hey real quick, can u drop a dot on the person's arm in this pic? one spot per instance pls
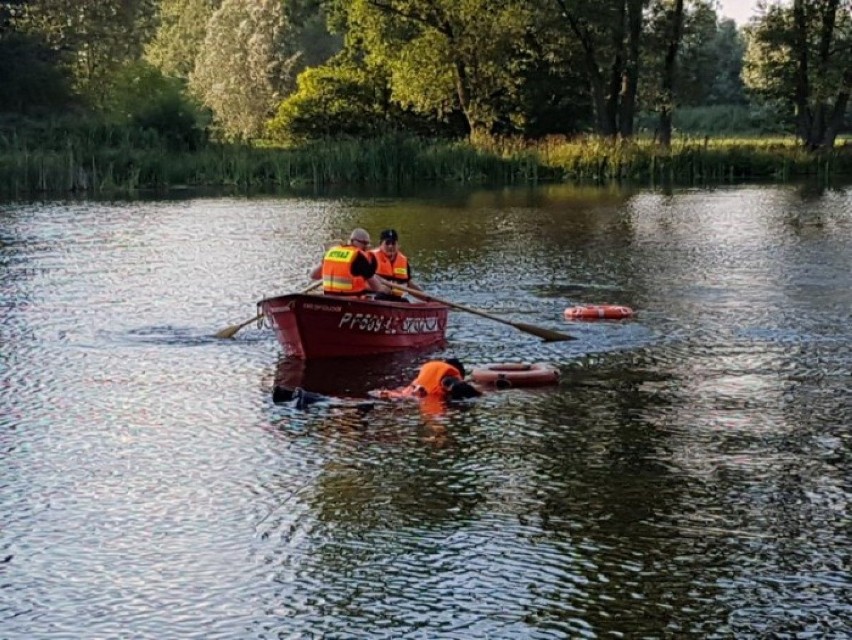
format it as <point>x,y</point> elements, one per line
<point>378,285</point>
<point>316,272</point>
<point>411,284</point>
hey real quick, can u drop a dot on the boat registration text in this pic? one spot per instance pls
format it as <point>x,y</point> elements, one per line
<point>375,323</point>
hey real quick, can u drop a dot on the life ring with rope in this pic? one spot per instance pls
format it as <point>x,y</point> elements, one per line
<point>516,374</point>
<point>598,312</point>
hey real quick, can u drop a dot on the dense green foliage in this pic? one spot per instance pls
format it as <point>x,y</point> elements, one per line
<point>91,38</point>
<point>180,36</point>
<point>332,100</point>
<point>44,87</point>
<point>147,100</point>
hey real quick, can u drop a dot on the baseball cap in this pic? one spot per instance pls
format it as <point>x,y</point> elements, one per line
<point>389,234</point>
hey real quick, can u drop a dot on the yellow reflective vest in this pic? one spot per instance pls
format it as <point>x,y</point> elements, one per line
<point>337,278</point>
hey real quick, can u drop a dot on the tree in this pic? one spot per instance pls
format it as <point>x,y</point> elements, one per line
<point>245,65</point>
<point>444,55</point>
<point>315,42</point>
<point>31,77</point>
<point>802,54</point>
<point>726,55</point>
<point>553,92</point>
<point>181,33</point>
<point>609,34</point>
<point>697,63</point>
<point>8,10</point>
<point>93,37</point>
<point>673,34</point>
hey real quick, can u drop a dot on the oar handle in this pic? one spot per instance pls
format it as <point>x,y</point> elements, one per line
<point>548,335</point>
<point>248,322</point>
<point>313,286</point>
<point>430,298</point>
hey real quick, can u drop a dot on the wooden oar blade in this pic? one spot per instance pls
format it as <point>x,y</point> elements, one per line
<point>545,334</point>
<point>229,332</point>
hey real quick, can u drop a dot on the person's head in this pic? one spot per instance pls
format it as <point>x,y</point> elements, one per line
<point>360,238</point>
<point>455,362</point>
<point>389,242</point>
<point>461,390</point>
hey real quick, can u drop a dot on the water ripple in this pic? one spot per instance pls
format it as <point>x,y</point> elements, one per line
<point>688,476</point>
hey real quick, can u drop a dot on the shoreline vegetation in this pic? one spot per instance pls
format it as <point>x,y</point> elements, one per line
<point>101,160</point>
<point>129,95</point>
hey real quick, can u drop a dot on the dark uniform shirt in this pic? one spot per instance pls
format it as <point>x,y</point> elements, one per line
<point>364,265</point>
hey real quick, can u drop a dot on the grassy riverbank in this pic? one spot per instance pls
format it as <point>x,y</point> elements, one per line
<point>103,159</point>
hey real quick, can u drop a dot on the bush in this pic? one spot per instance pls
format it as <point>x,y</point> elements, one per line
<point>141,96</point>
<point>339,101</point>
<point>347,101</point>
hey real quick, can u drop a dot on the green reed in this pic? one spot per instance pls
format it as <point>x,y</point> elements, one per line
<point>94,158</point>
<point>691,160</point>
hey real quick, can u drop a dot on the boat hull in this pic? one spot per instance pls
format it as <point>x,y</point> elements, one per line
<point>310,326</point>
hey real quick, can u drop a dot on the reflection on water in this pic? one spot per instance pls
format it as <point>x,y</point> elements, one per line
<point>688,477</point>
<point>351,377</point>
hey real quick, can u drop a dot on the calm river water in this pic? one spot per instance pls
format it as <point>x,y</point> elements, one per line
<point>689,476</point>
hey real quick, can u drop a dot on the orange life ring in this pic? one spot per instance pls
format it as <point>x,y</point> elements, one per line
<point>516,374</point>
<point>598,311</point>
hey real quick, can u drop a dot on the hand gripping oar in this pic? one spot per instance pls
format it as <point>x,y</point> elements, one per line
<point>231,331</point>
<point>545,334</point>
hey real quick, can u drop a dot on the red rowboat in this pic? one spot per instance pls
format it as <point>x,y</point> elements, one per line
<point>335,326</point>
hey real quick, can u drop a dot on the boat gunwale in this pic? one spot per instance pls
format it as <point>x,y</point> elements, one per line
<point>389,304</point>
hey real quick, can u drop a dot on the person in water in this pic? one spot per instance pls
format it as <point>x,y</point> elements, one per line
<point>439,380</point>
<point>442,379</point>
<point>302,399</point>
<point>393,265</point>
<point>350,269</point>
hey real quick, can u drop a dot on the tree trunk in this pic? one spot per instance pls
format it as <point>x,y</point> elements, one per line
<point>463,94</point>
<point>616,70</point>
<point>835,121</point>
<point>599,103</point>
<point>802,89</point>
<point>603,124</point>
<point>631,69</point>
<point>825,115</point>
<point>668,79</point>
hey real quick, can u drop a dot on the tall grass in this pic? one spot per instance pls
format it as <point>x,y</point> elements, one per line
<point>693,160</point>
<point>98,158</point>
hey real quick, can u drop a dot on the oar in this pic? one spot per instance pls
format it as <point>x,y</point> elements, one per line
<point>231,331</point>
<point>545,334</point>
